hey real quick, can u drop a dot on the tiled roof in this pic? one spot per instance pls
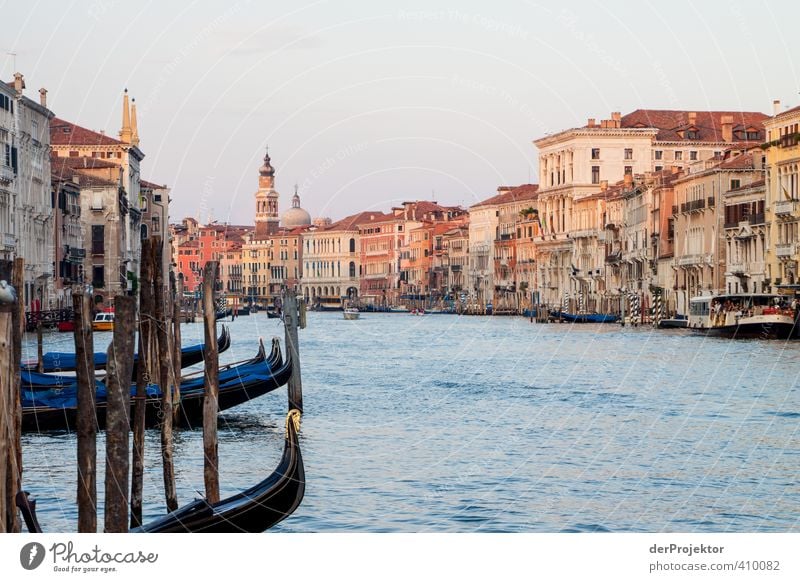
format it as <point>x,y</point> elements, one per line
<point>65,133</point>
<point>518,194</point>
<point>708,123</point>
<point>151,185</point>
<point>789,111</point>
<point>741,162</point>
<point>79,163</point>
<point>353,221</point>
<point>89,181</point>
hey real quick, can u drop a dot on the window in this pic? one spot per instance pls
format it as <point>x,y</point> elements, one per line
<point>692,134</point>
<point>144,231</point>
<point>595,174</point>
<point>73,153</point>
<point>628,153</point>
<point>735,184</point>
<point>352,245</point>
<point>35,129</point>
<point>659,168</point>
<point>628,170</point>
<point>678,155</point>
<point>595,153</point>
<point>693,156</point>
<point>751,134</point>
<point>98,239</point>
<point>659,154</point>
<point>98,276</point>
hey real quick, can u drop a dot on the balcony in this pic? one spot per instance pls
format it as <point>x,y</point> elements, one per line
<point>6,174</point>
<point>689,260</point>
<point>9,242</point>
<point>785,251</point>
<point>455,268</point>
<point>693,205</point>
<point>786,208</point>
<point>736,269</point>
<point>613,258</point>
<point>586,233</point>
<point>756,218</point>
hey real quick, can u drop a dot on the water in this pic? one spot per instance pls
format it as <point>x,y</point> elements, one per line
<point>454,424</point>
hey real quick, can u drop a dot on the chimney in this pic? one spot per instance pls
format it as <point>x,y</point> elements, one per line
<point>692,118</point>
<point>603,185</point>
<point>675,169</point>
<point>19,83</point>
<point>628,181</point>
<point>776,107</point>
<point>590,123</point>
<point>43,97</point>
<point>726,121</point>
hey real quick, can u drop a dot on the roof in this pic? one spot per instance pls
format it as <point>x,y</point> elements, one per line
<point>517,194</point>
<point>788,112</point>
<point>741,162</point>
<point>353,221</point>
<point>65,133</point>
<point>81,162</point>
<point>190,243</point>
<point>90,181</point>
<point>707,123</point>
<point>151,185</point>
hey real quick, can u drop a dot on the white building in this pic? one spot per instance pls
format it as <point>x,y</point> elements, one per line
<point>25,206</point>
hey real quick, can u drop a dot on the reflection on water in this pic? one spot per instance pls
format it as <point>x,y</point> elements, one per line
<point>444,423</point>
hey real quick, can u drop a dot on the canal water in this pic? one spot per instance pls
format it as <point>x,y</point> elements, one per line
<point>462,424</point>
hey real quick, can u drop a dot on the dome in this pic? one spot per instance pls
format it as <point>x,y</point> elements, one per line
<point>295,216</point>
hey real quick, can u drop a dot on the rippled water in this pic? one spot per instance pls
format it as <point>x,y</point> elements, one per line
<point>445,423</point>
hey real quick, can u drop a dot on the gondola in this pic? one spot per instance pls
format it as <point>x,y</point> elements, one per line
<point>585,317</point>
<point>273,315</point>
<point>223,313</point>
<point>252,511</point>
<point>65,361</point>
<point>54,407</point>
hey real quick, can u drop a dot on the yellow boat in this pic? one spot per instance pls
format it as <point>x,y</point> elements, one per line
<point>103,321</point>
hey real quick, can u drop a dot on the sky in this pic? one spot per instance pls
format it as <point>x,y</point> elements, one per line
<point>365,104</point>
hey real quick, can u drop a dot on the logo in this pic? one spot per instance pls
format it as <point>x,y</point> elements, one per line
<point>31,555</point>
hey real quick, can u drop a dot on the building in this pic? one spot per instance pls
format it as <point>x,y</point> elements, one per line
<point>782,198</point>
<point>69,140</point>
<point>380,241</point>
<point>455,263</point>
<point>26,209</point>
<point>68,243</point>
<point>332,261</point>
<point>154,204</point>
<point>574,162</point>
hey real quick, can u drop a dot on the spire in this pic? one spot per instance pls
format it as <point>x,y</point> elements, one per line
<point>134,125</point>
<point>125,132</point>
<point>267,169</point>
<point>295,198</point>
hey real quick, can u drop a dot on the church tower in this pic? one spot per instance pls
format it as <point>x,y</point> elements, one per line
<point>266,200</point>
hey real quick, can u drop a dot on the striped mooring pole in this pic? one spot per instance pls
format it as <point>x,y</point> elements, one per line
<point>658,308</point>
<point>581,303</point>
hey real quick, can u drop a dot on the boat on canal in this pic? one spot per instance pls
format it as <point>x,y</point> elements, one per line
<point>585,317</point>
<point>49,402</point>
<point>677,322</point>
<point>103,321</point>
<point>66,362</point>
<point>351,313</point>
<point>743,315</point>
<point>252,511</point>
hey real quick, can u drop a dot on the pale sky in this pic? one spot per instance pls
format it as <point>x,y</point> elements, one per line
<point>366,104</point>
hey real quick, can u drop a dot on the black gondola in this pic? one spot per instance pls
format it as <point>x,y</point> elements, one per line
<point>65,361</point>
<point>252,511</point>
<point>238,384</point>
<point>223,313</point>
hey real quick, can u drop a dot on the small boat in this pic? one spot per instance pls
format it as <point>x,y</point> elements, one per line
<point>49,402</point>
<point>273,315</point>
<point>351,313</point>
<point>417,312</point>
<point>252,511</point>
<point>243,311</point>
<point>65,326</point>
<point>223,313</point>
<point>585,317</point>
<point>65,361</point>
<point>103,321</point>
<point>677,322</point>
<point>398,309</point>
<point>742,315</point>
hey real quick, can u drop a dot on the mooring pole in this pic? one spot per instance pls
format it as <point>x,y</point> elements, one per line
<point>144,375</point>
<point>290,322</point>
<point>176,288</point>
<point>14,476</point>
<point>39,348</point>
<point>118,422</point>
<point>211,399</point>
<point>86,414</point>
<point>7,504</point>
<point>165,383</point>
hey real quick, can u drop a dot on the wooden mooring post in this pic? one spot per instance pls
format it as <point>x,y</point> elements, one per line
<point>176,286</point>
<point>118,423</point>
<point>291,322</point>
<point>39,349</point>
<point>211,397</point>
<point>86,414</point>
<point>144,375</point>
<point>165,375</point>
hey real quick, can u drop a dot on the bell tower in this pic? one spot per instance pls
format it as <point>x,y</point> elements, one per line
<point>267,218</point>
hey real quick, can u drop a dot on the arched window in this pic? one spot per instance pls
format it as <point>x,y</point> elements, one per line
<point>352,268</point>
<point>144,231</point>
<point>352,245</point>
